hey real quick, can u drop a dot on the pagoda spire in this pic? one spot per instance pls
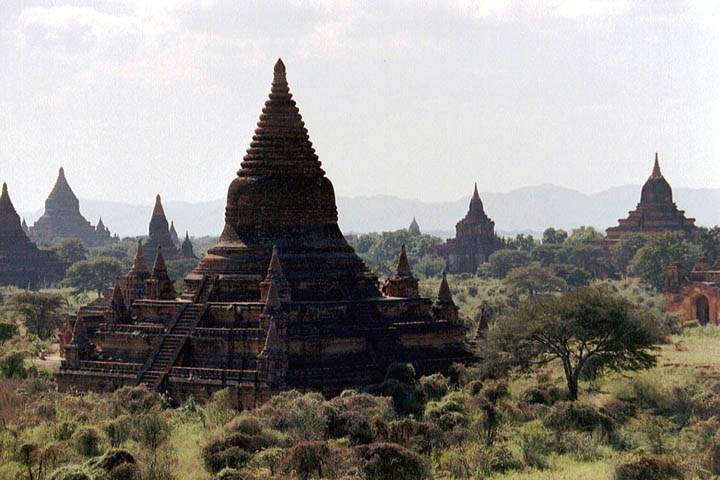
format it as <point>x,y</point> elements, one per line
<point>403,266</point>
<point>139,262</point>
<point>275,278</point>
<point>656,168</point>
<point>158,209</point>
<point>5,202</point>
<point>272,302</point>
<point>9,219</point>
<point>159,267</point>
<point>444,294</point>
<point>476,205</point>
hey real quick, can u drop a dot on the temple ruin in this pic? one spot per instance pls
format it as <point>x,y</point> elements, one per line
<point>164,236</point>
<point>281,302</point>
<point>655,213</point>
<point>694,295</point>
<point>475,240</point>
<point>62,219</point>
<point>22,263</point>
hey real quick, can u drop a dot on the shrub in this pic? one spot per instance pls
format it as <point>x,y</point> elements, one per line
<point>117,430</point>
<point>64,430</point>
<point>389,460</point>
<point>577,416</point>
<point>434,386</point>
<point>229,474</point>
<point>534,442</point>
<point>151,430</point>
<point>448,412</point>
<point>541,394</point>
<point>648,467</point>
<point>712,457</point>
<point>87,441</point>
<point>402,372</point>
<point>406,398</point>
<point>72,472</point>
<point>112,459</point>
<point>582,446</point>
<point>125,471</point>
<point>307,457</point>
<point>269,458</point>
<point>489,459</point>
<point>302,416</point>
<point>134,400</point>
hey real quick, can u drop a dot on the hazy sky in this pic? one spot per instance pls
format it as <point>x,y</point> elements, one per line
<point>416,99</point>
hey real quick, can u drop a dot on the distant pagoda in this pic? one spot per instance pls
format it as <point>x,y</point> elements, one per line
<point>21,263</point>
<point>62,219</point>
<point>475,240</point>
<point>655,213</point>
<point>281,302</point>
<point>414,228</point>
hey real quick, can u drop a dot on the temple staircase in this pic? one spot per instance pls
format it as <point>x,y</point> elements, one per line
<point>161,361</point>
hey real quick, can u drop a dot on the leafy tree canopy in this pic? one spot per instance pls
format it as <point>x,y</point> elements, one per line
<point>652,259</point>
<point>578,327</point>
<point>96,274</point>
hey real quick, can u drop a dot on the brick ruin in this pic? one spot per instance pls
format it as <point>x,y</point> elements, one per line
<point>694,295</point>
<point>475,240</point>
<point>62,219</point>
<point>22,263</point>
<point>282,301</point>
<point>655,213</point>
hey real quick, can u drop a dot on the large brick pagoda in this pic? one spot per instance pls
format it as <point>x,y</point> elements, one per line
<point>62,219</point>
<point>655,213</point>
<point>22,263</point>
<point>474,241</point>
<point>282,301</point>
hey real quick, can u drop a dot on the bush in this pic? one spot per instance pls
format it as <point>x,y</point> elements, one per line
<point>389,460</point>
<point>582,446</point>
<point>72,472</point>
<point>434,386</point>
<point>64,430</point>
<point>534,443</point>
<point>308,457</point>
<point>112,459</point>
<point>134,400</point>
<point>541,394</point>
<point>577,416</point>
<point>87,441</point>
<point>229,474</point>
<point>402,372</point>
<point>648,467</point>
<point>118,430</point>
<point>406,398</point>
<point>712,457</point>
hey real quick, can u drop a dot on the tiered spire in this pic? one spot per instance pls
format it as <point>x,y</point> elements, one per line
<point>187,247</point>
<point>275,280</point>
<point>403,266</point>
<point>444,294</point>
<point>158,222</point>
<point>476,205</point>
<point>656,168</point>
<point>173,233</point>
<point>139,262</point>
<point>159,267</point>
<point>281,143</point>
<point>61,196</point>
<point>9,219</point>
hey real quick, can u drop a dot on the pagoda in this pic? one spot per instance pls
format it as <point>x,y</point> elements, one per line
<point>62,219</point>
<point>475,240</point>
<point>159,235</point>
<point>21,262</point>
<point>655,213</point>
<point>414,228</point>
<point>280,302</point>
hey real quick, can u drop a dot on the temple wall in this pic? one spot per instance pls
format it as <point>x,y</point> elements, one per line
<point>682,303</point>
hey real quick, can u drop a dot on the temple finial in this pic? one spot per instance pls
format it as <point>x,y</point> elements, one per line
<point>139,262</point>
<point>158,206</point>
<point>476,195</point>
<point>5,190</point>
<point>279,67</point>
<point>656,168</point>
<point>159,265</point>
<point>444,294</point>
<point>403,266</point>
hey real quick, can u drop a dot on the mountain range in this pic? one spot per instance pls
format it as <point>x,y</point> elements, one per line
<point>526,210</point>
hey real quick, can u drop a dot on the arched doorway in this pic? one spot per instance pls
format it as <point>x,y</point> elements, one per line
<point>702,310</point>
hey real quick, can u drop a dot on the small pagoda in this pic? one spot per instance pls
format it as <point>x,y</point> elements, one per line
<point>22,263</point>
<point>161,235</point>
<point>62,219</point>
<point>475,240</point>
<point>281,302</point>
<point>655,213</point>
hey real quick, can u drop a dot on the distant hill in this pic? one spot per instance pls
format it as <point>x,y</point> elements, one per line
<point>528,209</point>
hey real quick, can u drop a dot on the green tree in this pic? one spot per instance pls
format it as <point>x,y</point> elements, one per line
<point>708,239</point>
<point>577,328</point>
<point>623,251</point>
<point>534,279</point>
<point>39,311</point>
<point>552,236</point>
<point>651,261</point>
<point>70,250</point>
<point>96,274</point>
<point>7,331</point>
<point>502,261</point>
<point>523,242</point>
<point>430,265</point>
<point>584,235</point>
<point>591,258</point>
<point>546,254</point>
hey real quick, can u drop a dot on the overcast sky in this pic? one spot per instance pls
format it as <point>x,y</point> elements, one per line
<point>415,99</point>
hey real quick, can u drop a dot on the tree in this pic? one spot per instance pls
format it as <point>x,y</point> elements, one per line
<point>584,235</point>
<point>429,265</point>
<point>95,274</point>
<point>591,258</point>
<point>545,254</point>
<point>651,261</point>
<point>580,327</point>
<point>623,251</point>
<point>534,279</point>
<point>502,261</point>
<point>554,237</point>
<point>523,242</point>
<point>7,331</point>
<point>389,460</point>
<point>37,310</point>
<point>708,239</point>
<point>70,250</point>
